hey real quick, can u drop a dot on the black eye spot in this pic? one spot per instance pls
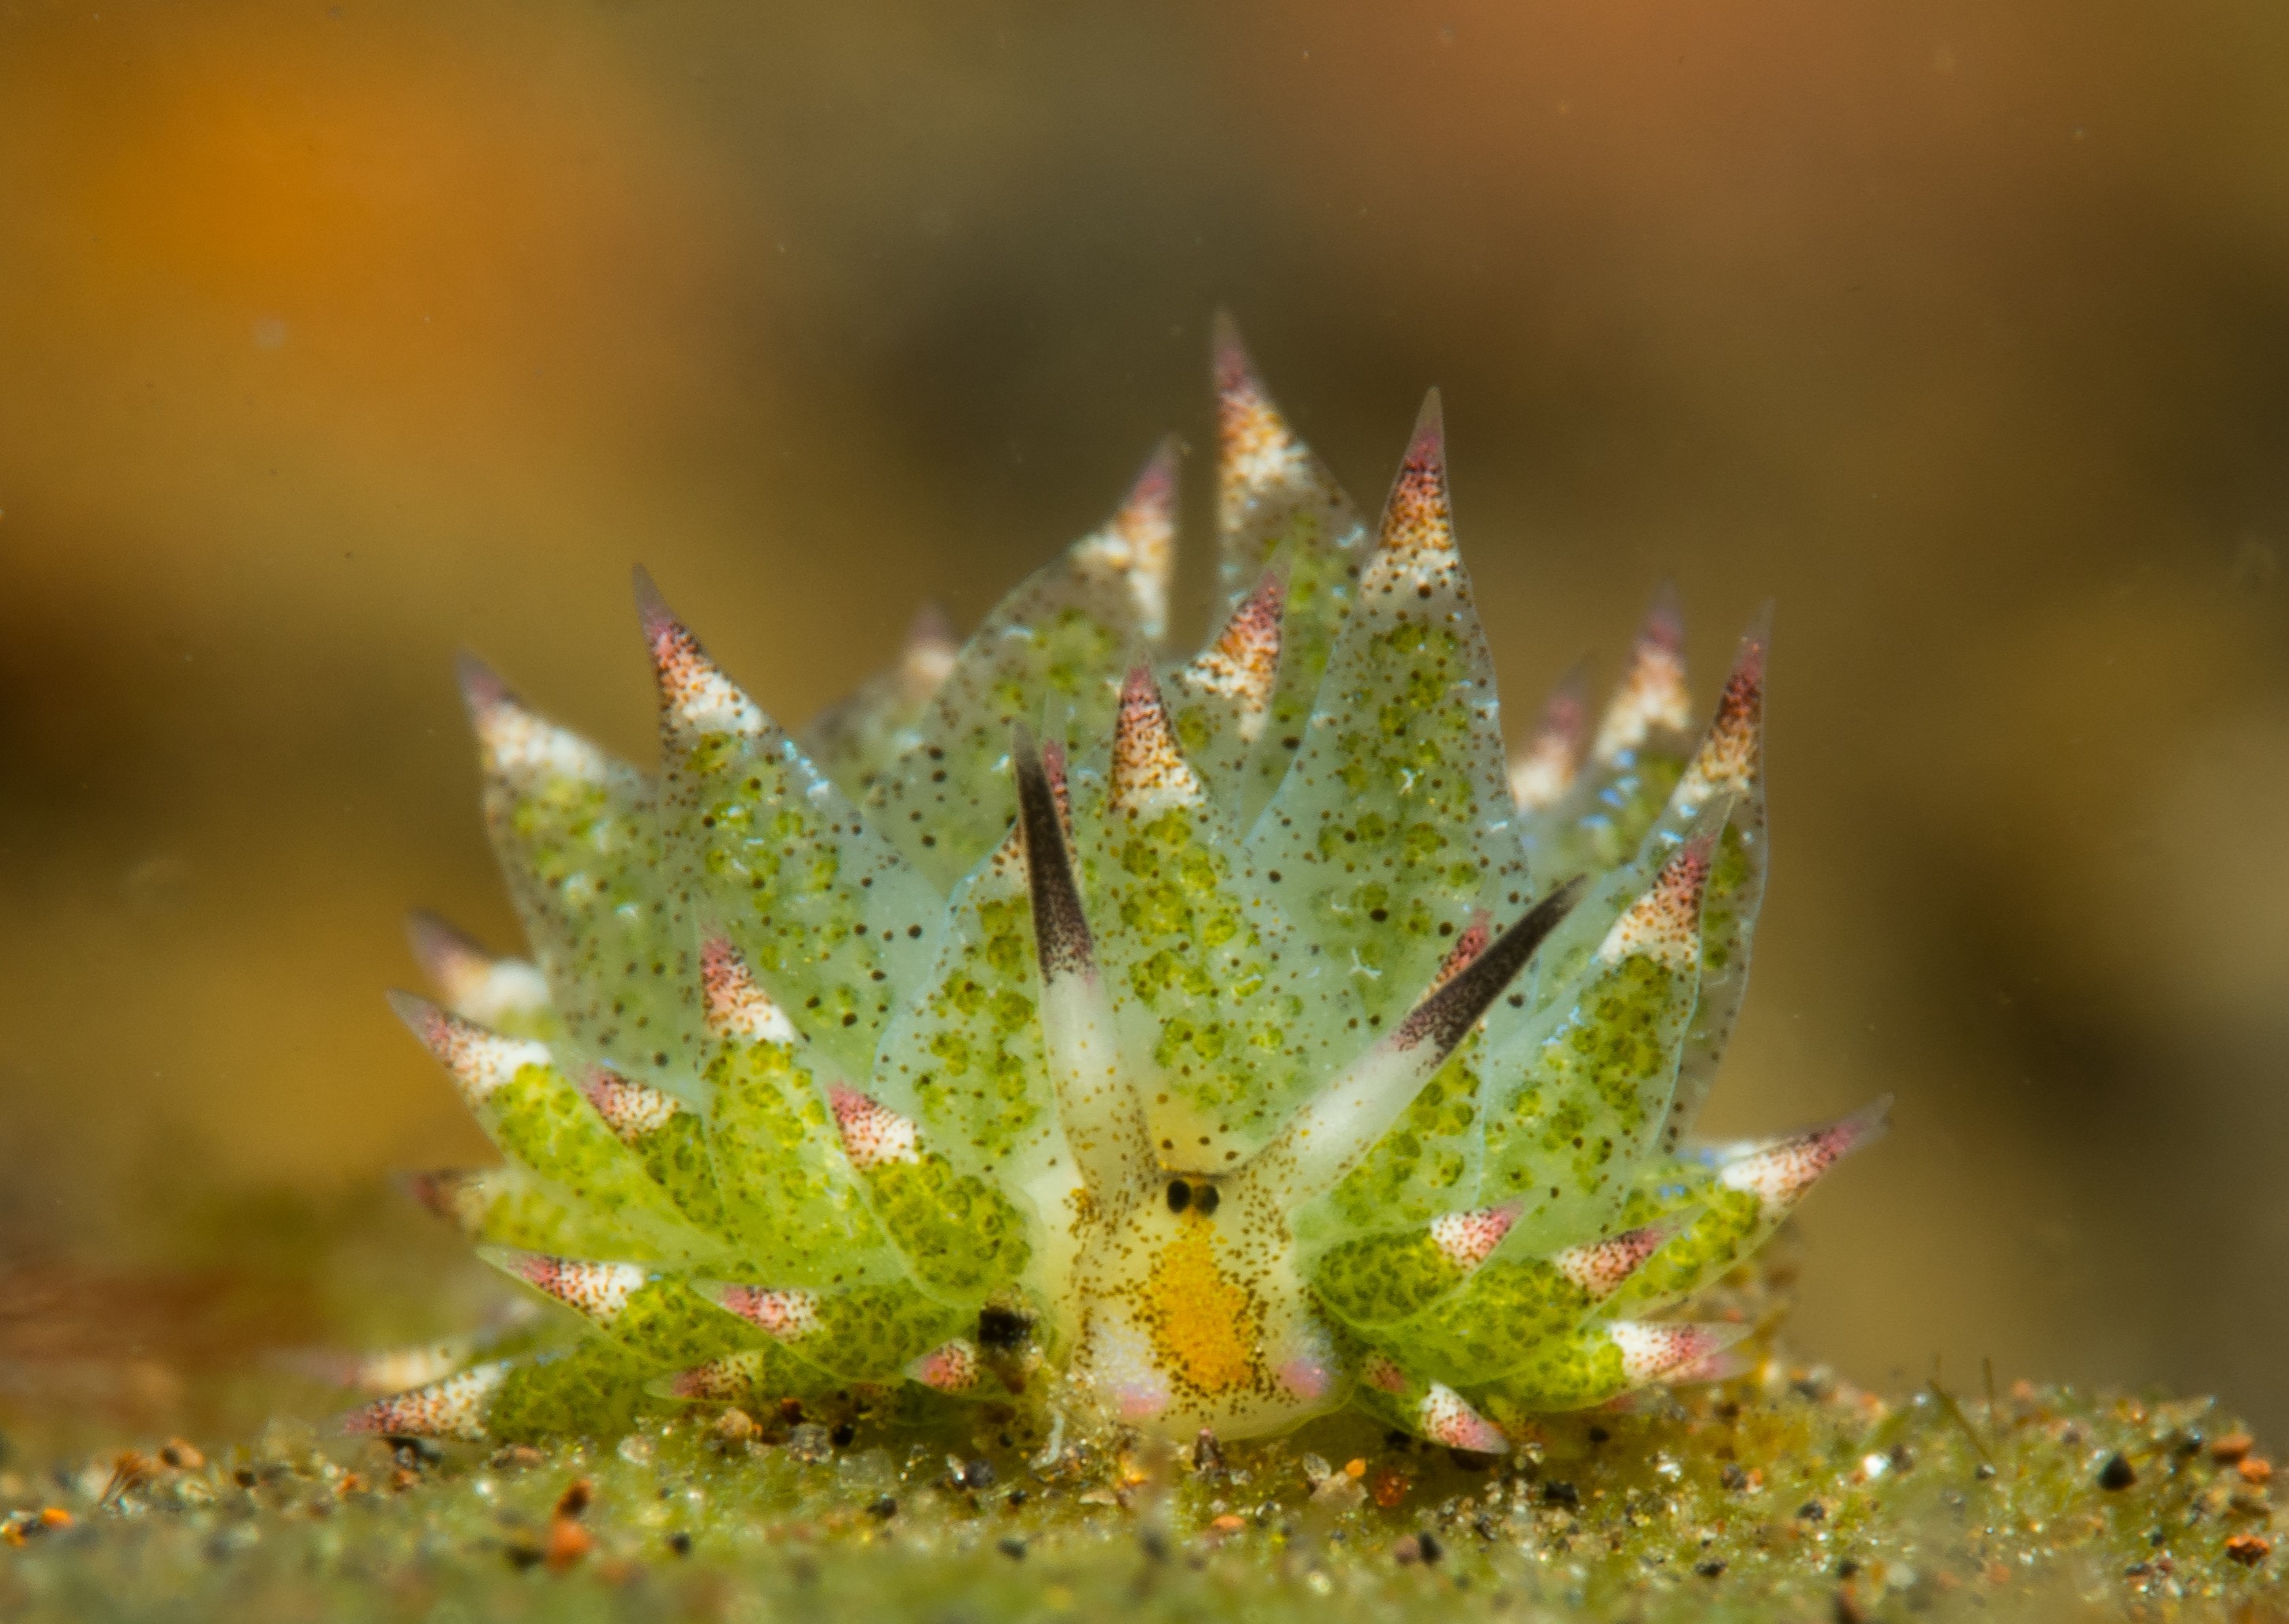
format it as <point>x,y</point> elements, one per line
<point>1207,1199</point>
<point>1180,1195</point>
<point>1000,1327</point>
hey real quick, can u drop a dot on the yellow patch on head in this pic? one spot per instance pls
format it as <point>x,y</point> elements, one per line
<point>1204,1327</point>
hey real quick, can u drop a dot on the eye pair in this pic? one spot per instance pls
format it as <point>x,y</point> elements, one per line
<point>1201,1197</point>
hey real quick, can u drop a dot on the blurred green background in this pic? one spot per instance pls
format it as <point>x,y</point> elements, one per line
<point>333,337</point>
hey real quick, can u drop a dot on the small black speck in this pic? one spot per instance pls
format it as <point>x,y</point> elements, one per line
<point>1290,743</point>
<point>1812,1511</point>
<point>1016,1498</point>
<point>1378,914</point>
<point>884,1510</point>
<point>1428,1544</point>
<point>1847,1569</point>
<point>680,1543</point>
<point>1207,1199</point>
<point>842,1436</point>
<point>914,931</point>
<point>979,1474</point>
<point>1733,1477</point>
<point>1180,1195</point>
<point>2116,1473</point>
<point>1012,1547</point>
<point>1711,1569</point>
<point>850,1020</point>
<point>1560,1493</point>
<point>1274,876</point>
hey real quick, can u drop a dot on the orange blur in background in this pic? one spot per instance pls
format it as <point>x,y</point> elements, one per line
<point>333,338</point>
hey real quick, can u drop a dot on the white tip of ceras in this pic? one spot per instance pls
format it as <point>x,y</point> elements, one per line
<point>950,1368</point>
<point>1657,1351</point>
<point>453,1408</point>
<point>873,1134</point>
<point>729,1379</point>
<point>475,986</point>
<point>1137,546</point>
<point>594,1290</point>
<point>1445,1417</point>
<point>927,658</point>
<point>1242,664</point>
<point>1652,696</point>
<point>695,696</point>
<point>629,1109</point>
<point>1779,1171</point>
<point>1603,1267</point>
<point>479,1061</point>
<point>1664,924</point>
<point>1542,773</point>
<point>1149,771</point>
<point>786,1316</point>
<point>1727,760</point>
<point>737,1008</point>
<point>516,742</point>
<point>1470,1239</point>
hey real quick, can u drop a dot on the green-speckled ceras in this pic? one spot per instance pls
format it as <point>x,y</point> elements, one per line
<point>1191,1044</point>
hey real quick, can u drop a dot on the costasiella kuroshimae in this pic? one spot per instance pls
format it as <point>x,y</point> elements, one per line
<point>1201,1042</point>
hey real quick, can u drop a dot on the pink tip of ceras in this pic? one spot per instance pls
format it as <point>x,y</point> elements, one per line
<point>951,1367</point>
<point>1468,945</point>
<point>1258,618</point>
<point>1447,1418</point>
<point>1307,1376</point>
<point>1655,1350</point>
<point>1686,875</point>
<point>873,1134</point>
<point>426,1021</point>
<point>1235,371</point>
<point>552,1277</point>
<point>1152,494</point>
<point>1426,448</point>
<point>481,687</point>
<point>659,624</point>
<point>734,1004</point>
<point>1381,1374</point>
<point>1601,1267</point>
<point>1138,694</point>
<point>1742,700</point>
<point>931,628</point>
<point>453,1408</point>
<point>1053,769</point>
<point>1470,1239</point>
<point>1566,714</point>
<point>1778,1174</point>
<point>436,1191</point>
<point>1663,626</point>
<point>698,1382</point>
<point>447,956</point>
<point>786,1314</point>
